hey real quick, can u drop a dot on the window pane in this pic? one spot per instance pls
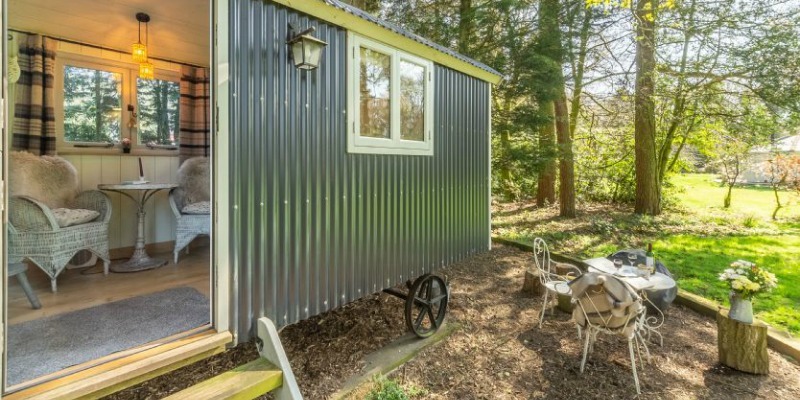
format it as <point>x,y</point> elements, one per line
<point>92,105</point>
<point>158,111</point>
<point>375,94</point>
<point>412,101</point>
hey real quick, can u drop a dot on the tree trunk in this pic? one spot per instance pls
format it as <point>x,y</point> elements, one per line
<point>566,161</point>
<point>546,187</point>
<point>580,67</point>
<point>466,26</point>
<point>727,202</point>
<point>742,346</point>
<point>647,194</point>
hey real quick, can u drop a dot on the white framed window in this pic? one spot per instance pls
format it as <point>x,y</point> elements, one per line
<point>93,102</point>
<point>390,100</point>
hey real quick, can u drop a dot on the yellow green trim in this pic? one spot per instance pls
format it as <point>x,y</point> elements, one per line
<point>328,13</point>
<point>242,383</point>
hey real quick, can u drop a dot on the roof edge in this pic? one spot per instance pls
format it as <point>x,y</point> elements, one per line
<point>327,12</point>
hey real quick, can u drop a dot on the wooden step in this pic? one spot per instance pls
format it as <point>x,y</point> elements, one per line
<point>112,376</point>
<point>244,382</point>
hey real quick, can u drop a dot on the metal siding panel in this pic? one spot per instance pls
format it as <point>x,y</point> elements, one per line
<point>313,227</point>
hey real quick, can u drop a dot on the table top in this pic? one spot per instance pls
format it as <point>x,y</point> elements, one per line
<point>136,186</point>
<point>657,281</point>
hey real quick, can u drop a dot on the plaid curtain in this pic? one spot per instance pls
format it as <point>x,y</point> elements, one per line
<point>195,125</point>
<point>34,128</point>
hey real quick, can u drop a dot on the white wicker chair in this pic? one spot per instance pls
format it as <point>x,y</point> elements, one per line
<point>610,306</point>
<point>34,234</point>
<point>193,172</point>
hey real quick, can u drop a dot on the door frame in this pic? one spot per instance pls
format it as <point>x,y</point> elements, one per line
<point>219,263</point>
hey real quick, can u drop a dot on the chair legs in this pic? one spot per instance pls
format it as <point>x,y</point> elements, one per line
<point>544,308</point>
<point>586,349</point>
<point>633,365</point>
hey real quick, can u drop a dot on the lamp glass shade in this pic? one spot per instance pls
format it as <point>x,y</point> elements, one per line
<point>307,51</point>
<point>147,70</point>
<point>139,52</point>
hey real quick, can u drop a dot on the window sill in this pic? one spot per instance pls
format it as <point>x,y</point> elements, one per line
<point>116,151</point>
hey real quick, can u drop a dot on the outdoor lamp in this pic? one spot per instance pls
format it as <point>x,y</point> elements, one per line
<point>139,49</point>
<point>306,49</point>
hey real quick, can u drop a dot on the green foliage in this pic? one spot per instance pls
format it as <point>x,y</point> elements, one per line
<point>158,110</point>
<point>387,389</point>
<point>92,104</point>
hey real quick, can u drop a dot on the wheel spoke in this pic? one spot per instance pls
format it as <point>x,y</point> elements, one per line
<point>434,322</point>
<point>437,299</point>
<point>420,317</point>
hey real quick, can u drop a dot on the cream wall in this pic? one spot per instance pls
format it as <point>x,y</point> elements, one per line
<point>160,221</point>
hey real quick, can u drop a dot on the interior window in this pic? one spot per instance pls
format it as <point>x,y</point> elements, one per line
<point>158,111</point>
<point>92,105</point>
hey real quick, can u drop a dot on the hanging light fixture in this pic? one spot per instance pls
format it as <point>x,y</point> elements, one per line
<point>139,49</point>
<point>147,70</point>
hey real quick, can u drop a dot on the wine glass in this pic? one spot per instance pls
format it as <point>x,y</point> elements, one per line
<point>617,263</point>
<point>632,258</point>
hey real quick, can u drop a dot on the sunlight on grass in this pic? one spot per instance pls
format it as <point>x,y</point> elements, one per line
<point>700,192</point>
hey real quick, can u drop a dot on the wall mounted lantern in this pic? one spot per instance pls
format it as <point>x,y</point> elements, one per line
<point>306,49</point>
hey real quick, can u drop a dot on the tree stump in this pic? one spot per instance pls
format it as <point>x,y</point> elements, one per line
<point>742,346</point>
<point>532,286</point>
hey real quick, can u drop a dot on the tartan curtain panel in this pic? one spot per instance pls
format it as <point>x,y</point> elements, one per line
<point>194,113</point>
<point>34,128</point>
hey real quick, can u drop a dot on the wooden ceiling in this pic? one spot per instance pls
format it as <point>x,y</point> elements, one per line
<point>179,29</point>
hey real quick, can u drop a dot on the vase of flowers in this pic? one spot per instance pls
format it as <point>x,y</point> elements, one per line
<point>746,280</point>
<point>126,145</point>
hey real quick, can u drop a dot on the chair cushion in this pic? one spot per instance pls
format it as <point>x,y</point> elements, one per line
<point>201,207</point>
<point>67,217</point>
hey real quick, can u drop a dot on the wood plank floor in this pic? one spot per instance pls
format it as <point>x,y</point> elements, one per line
<point>79,289</point>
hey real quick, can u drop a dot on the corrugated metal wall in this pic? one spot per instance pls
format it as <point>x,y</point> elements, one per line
<point>314,227</point>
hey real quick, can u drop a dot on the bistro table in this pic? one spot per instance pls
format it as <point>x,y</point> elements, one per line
<point>657,281</point>
<point>140,260</point>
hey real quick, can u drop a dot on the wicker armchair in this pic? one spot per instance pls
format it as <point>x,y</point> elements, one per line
<point>34,234</point>
<point>193,187</point>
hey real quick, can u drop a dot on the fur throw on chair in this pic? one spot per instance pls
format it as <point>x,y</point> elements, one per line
<point>51,180</point>
<point>193,178</point>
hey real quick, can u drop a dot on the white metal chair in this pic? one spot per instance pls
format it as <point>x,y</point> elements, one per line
<point>551,281</point>
<point>606,304</point>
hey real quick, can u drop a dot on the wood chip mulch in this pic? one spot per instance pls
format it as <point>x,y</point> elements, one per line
<point>499,352</point>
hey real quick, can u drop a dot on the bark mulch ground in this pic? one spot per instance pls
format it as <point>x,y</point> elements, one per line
<point>499,353</point>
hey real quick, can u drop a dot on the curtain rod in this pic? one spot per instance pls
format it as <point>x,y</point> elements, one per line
<point>105,48</point>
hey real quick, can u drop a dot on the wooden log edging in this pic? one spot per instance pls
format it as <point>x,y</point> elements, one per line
<point>777,340</point>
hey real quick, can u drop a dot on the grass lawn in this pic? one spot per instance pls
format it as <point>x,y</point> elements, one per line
<point>696,238</point>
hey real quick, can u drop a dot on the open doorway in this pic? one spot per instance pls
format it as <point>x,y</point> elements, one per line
<point>109,192</point>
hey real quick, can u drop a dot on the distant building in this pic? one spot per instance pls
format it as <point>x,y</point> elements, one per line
<point>755,170</point>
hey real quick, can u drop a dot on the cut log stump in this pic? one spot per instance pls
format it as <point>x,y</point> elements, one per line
<point>532,286</point>
<point>742,346</point>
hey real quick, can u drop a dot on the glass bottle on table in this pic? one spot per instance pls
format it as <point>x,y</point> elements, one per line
<point>651,259</point>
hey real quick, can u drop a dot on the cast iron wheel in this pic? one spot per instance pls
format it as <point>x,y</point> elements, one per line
<point>426,305</point>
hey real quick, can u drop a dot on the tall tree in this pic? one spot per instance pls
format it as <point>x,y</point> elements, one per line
<point>648,200</point>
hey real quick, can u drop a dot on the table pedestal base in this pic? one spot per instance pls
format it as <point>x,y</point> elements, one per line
<point>139,261</point>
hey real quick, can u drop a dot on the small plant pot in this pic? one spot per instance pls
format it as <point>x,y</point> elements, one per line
<point>126,150</point>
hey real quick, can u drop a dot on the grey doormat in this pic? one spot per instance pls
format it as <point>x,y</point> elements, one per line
<point>48,345</point>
